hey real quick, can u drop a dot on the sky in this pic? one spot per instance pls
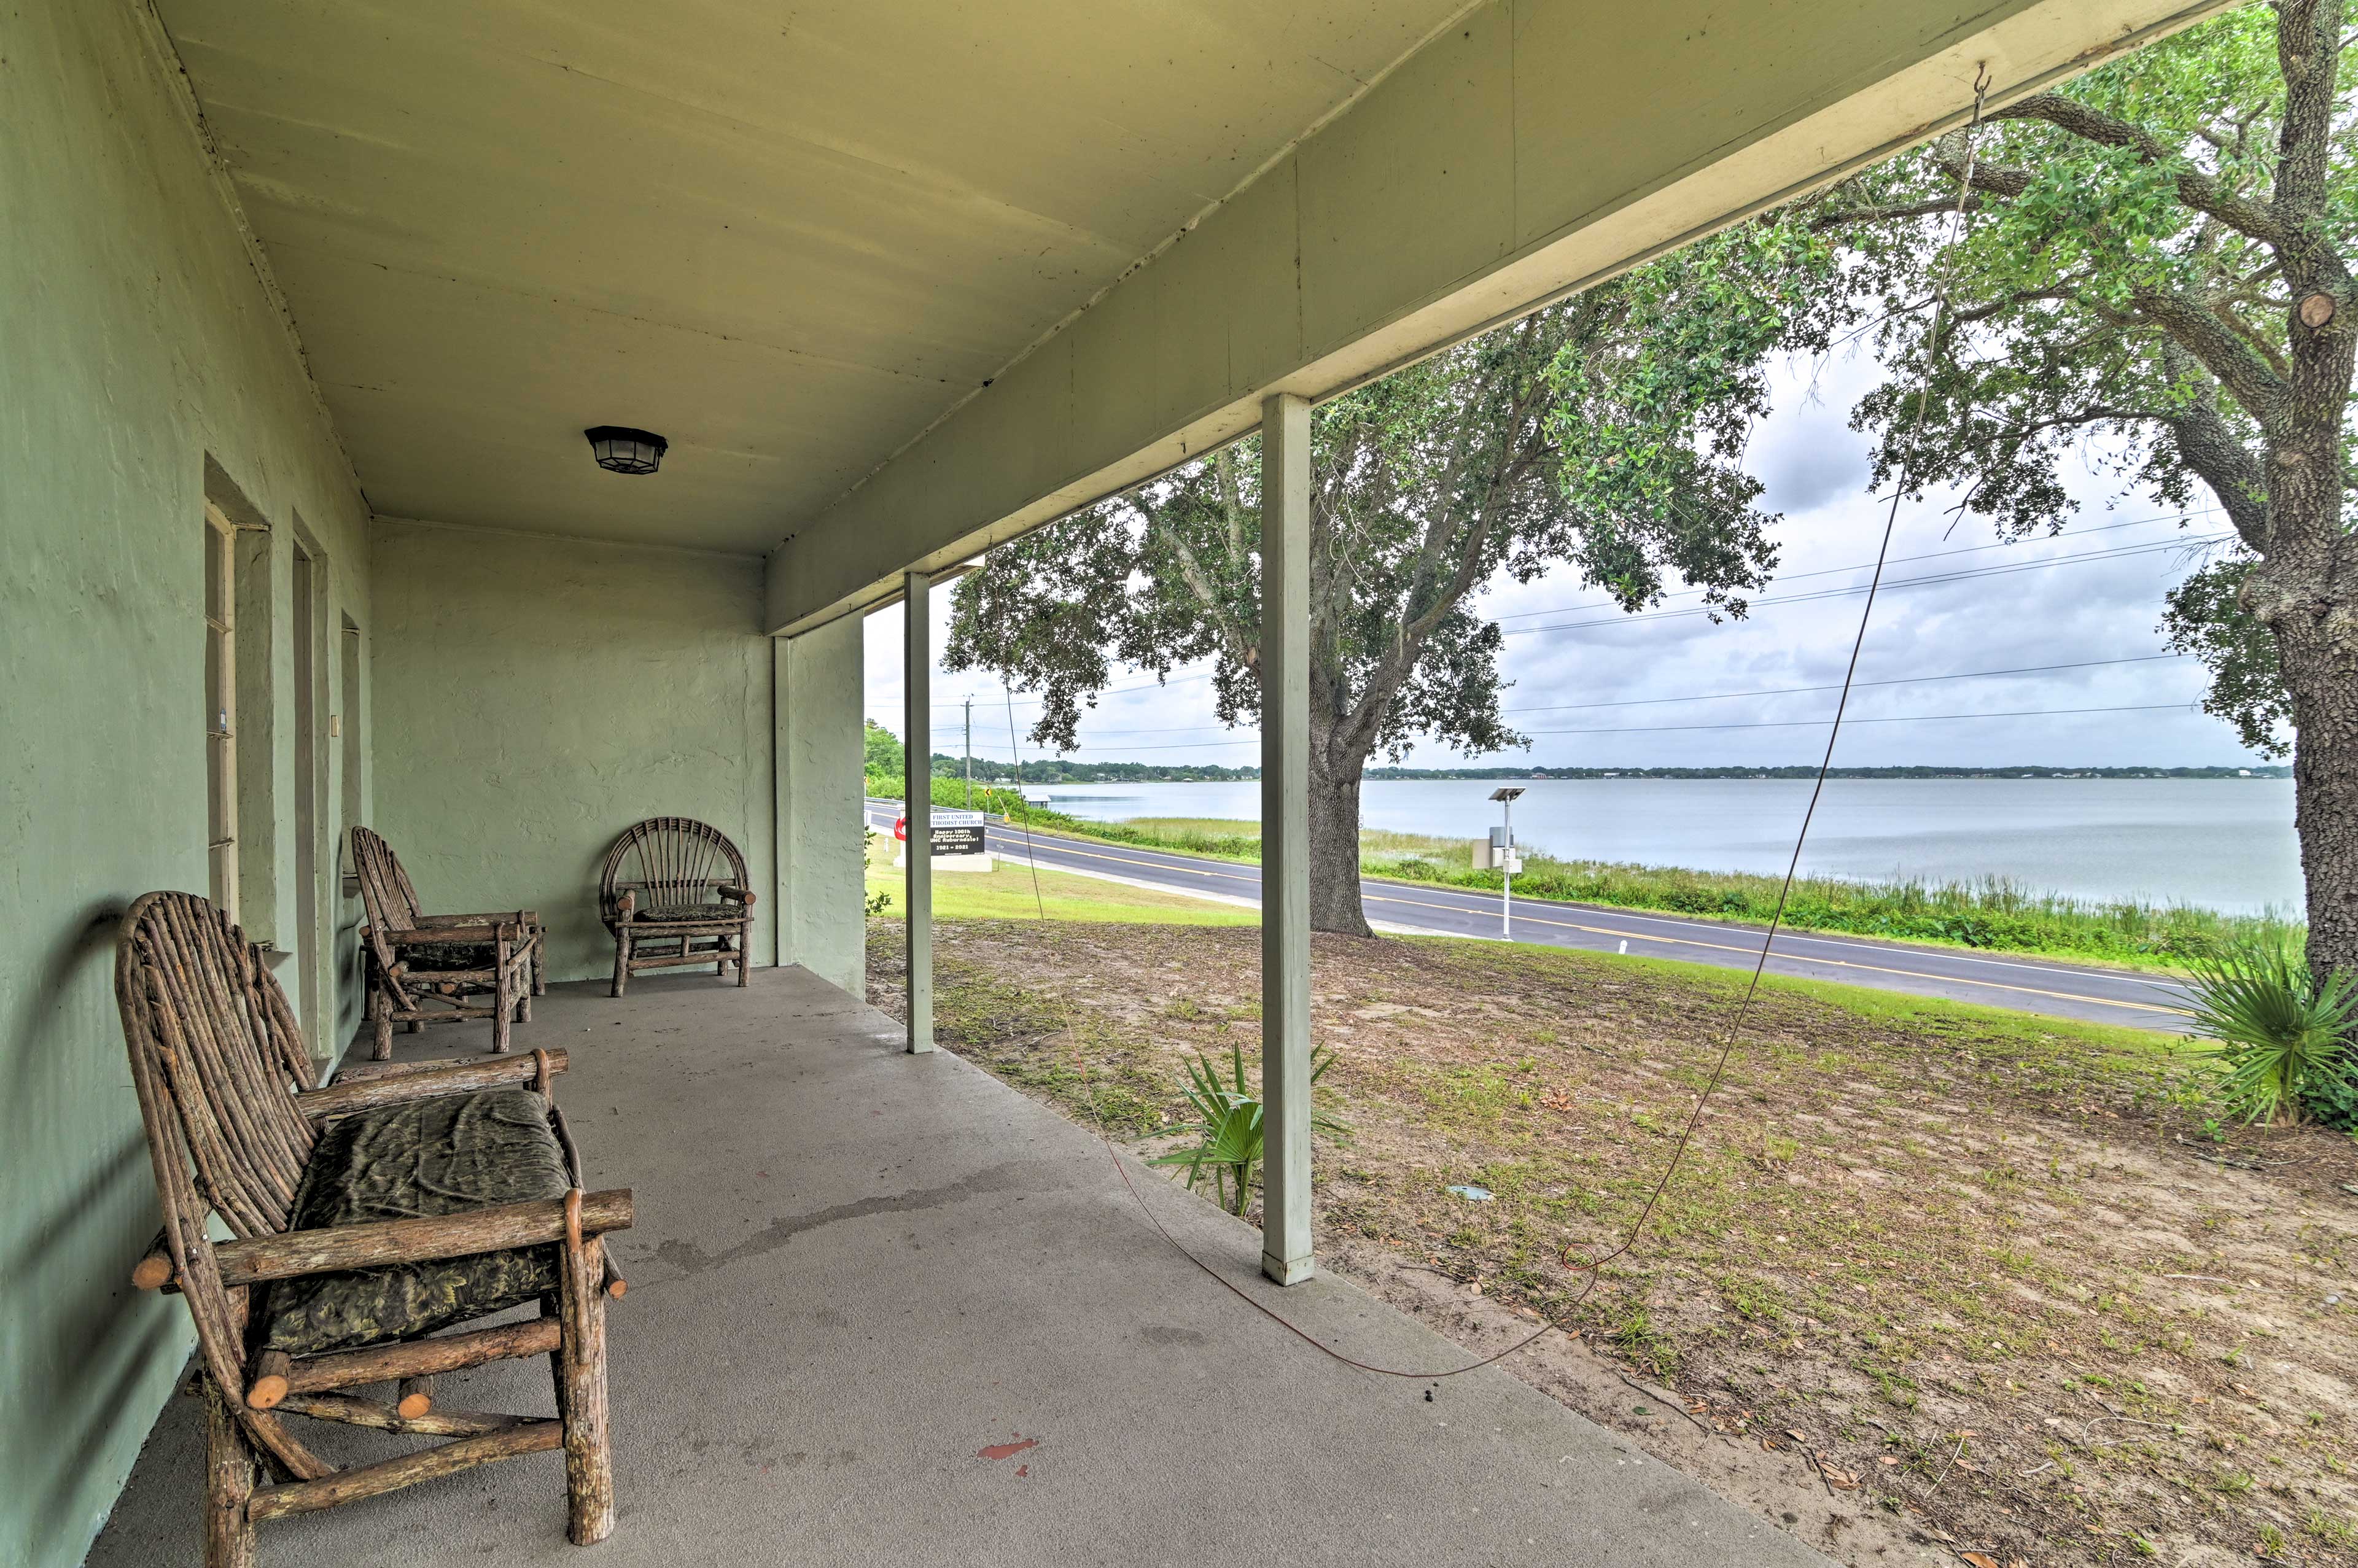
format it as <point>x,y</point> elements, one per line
<point>1593,687</point>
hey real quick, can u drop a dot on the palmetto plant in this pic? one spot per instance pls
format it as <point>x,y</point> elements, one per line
<point>2283,1035</point>
<point>1228,1129</point>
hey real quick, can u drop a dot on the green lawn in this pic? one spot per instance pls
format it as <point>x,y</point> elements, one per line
<point>1008,891</point>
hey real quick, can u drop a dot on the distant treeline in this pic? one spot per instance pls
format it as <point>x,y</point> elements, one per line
<point>1804,771</point>
<point>1058,770</point>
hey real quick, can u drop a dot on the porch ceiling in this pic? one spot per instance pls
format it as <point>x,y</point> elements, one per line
<point>787,238</point>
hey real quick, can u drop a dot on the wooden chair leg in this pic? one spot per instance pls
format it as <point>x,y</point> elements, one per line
<point>622,961</point>
<point>540,964</point>
<point>741,961</point>
<point>503,1003</point>
<point>552,1307</point>
<point>589,1452</point>
<point>229,1486</point>
<point>380,1017</point>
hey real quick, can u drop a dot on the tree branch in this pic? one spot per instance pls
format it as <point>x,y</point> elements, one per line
<point>2209,446</point>
<point>2223,353</point>
<point>2197,189</point>
<point>1856,215</point>
<point>1241,647</point>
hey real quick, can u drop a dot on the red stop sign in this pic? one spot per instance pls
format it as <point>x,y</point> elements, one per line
<point>901,829</point>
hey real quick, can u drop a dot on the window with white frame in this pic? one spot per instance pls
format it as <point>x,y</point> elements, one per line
<point>221,706</point>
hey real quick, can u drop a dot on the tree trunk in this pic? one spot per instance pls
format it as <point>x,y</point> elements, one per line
<point>2321,675</point>
<point>1335,839</point>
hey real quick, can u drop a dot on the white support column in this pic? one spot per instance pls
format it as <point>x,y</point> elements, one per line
<point>1285,1254</point>
<point>917,713</point>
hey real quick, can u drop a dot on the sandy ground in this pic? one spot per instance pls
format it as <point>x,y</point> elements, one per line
<point>1929,1284</point>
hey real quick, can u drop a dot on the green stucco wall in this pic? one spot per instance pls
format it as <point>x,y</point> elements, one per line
<point>822,782</point>
<point>535,697</point>
<point>142,362</point>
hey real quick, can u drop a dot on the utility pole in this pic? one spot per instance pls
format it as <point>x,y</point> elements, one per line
<point>1506,799</point>
<point>969,754</point>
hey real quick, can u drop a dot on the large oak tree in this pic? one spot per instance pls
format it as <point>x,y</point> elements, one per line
<point>1605,431</point>
<point>2156,257</point>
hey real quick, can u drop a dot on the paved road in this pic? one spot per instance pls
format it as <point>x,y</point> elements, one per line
<point>2067,990</point>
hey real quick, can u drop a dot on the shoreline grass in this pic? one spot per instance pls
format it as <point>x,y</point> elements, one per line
<point>1992,914</point>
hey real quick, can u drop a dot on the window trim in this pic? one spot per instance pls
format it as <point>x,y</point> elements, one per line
<point>219,608</point>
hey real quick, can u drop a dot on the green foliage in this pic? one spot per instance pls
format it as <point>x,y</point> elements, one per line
<point>950,794</point>
<point>2205,616</point>
<point>1603,431</point>
<point>2137,239</point>
<point>1228,1129</point>
<point>885,752</point>
<point>2283,1035</point>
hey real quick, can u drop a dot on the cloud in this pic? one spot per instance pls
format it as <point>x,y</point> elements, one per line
<point>1955,602</point>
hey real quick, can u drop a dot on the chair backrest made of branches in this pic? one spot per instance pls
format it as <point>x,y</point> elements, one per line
<point>390,900</point>
<point>668,860</point>
<point>216,1058</point>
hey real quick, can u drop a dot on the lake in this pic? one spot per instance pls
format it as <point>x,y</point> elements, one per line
<point>2224,843</point>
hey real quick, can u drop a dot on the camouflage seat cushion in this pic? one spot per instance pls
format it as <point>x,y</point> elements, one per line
<point>404,1162</point>
<point>690,912</point>
<point>449,956</point>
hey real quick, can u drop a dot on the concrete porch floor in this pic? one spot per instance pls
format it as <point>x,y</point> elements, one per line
<point>856,1270</point>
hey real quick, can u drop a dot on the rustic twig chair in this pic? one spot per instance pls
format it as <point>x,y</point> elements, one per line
<point>675,893</point>
<point>424,968</point>
<point>364,1215</point>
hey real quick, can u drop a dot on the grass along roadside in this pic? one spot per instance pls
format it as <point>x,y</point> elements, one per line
<point>1990,1271</point>
<point>1007,892</point>
<point>1993,914</point>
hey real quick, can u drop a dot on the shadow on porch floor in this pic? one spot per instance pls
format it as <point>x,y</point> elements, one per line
<point>885,1310</point>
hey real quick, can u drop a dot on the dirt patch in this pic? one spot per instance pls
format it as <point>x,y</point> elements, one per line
<point>1931,1283</point>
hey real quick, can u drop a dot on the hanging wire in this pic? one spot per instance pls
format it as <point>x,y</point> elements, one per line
<point>1593,1268</point>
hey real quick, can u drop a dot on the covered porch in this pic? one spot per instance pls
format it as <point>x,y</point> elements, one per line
<point>885,1310</point>
<point>305,313</point>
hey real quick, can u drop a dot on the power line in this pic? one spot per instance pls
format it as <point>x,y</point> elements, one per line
<point>1895,680</point>
<point>1927,580</point>
<point>1709,695</point>
<point>1896,718</point>
<point>2115,553</point>
<point>1863,566</point>
<point>1771,724</point>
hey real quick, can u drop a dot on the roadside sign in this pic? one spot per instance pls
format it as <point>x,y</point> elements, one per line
<point>958,832</point>
<point>958,840</point>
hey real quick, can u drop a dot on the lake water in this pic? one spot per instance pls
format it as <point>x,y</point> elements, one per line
<point>2224,843</point>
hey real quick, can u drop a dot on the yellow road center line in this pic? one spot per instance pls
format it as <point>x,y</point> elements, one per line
<point>1835,963</point>
<point>1064,847</point>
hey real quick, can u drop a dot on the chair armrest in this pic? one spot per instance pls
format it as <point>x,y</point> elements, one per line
<point>420,1080</point>
<point>626,908</point>
<point>446,935</point>
<point>734,893</point>
<point>383,1243</point>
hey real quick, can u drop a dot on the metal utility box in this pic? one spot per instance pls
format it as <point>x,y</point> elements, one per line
<point>1495,856</point>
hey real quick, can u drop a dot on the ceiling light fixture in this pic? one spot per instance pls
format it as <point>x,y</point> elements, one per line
<point>621,450</point>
